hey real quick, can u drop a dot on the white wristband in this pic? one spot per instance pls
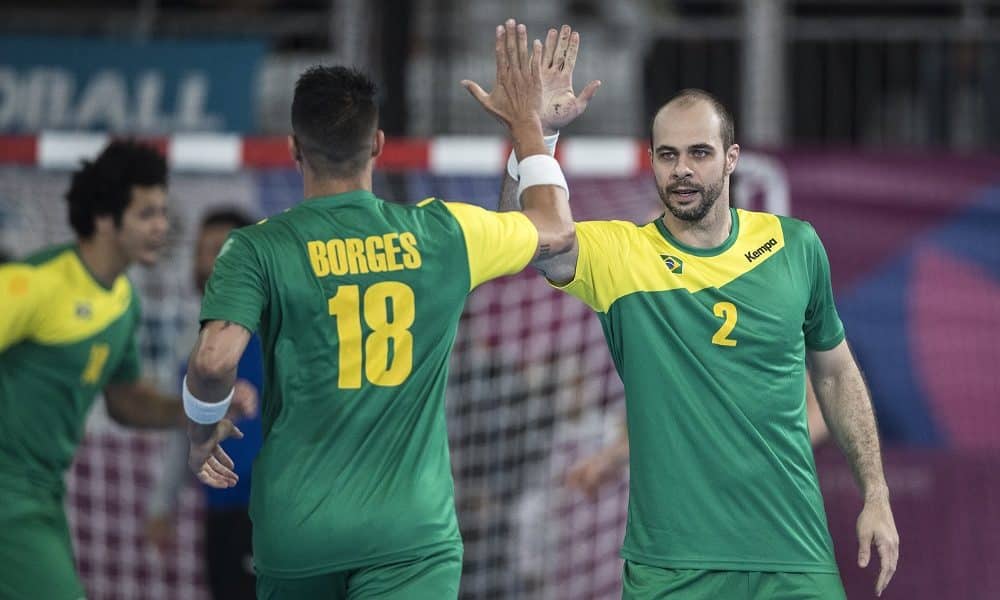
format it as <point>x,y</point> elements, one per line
<point>550,144</point>
<point>539,169</point>
<point>204,413</point>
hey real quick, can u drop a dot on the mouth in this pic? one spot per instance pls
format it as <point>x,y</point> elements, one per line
<point>685,193</point>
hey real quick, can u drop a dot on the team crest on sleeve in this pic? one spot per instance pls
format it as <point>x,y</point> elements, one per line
<point>673,263</point>
<point>84,310</point>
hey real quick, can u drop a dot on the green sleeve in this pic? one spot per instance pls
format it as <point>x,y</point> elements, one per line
<point>823,328</point>
<point>235,291</point>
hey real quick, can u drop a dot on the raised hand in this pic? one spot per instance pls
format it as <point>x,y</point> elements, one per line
<point>517,96</point>
<point>560,106</point>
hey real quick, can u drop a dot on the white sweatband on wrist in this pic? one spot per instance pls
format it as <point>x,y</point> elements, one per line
<point>539,169</point>
<point>550,145</point>
<point>204,413</point>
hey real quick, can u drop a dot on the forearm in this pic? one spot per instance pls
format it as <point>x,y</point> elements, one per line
<point>212,368</point>
<point>847,410</point>
<point>143,406</point>
<point>207,386</point>
<point>508,194</point>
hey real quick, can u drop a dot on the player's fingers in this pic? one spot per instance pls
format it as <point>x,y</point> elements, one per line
<point>206,476</point>
<point>588,92</point>
<point>229,430</point>
<point>888,553</point>
<point>219,469</point>
<point>536,58</point>
<point>510,35</point>
<point>551,38</point>
<point>864,547</point>
<point>477,92</point>
<point>501,52</point>
<point>222,457</point>
<point>559,59</point>
<point>571,51</point>
<point>522,47</point>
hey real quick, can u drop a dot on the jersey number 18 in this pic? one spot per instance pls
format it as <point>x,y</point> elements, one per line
<point>388,309</point>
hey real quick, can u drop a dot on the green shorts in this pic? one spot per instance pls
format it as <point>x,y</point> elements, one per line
<point>36,554</point>
<point>643,582</point>
<point>433,577</point>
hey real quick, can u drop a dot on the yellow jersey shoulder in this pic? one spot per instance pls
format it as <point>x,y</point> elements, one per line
<point>76,306</point>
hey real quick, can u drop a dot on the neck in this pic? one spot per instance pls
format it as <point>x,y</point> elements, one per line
<point>709,232</point>
<point>101,258</point>
<point>315,187</point>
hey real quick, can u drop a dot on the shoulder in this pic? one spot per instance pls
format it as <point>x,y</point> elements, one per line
<point>610,232</point>
<point>799,232</point>
<point>47,255</point>
<point>23,281</point>
<point>446,212</point>
<point>793,231</point>
<point>39,275</point>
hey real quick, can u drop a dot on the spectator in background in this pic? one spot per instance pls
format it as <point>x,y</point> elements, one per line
<point>227,529</point>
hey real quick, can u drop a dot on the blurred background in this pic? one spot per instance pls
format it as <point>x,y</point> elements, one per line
<point>879,122</point>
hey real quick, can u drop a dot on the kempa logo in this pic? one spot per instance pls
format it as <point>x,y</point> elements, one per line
<point>673,263</point>
<point>766,248</point>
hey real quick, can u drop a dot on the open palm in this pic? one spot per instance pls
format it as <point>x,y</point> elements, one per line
<point>560,105</point>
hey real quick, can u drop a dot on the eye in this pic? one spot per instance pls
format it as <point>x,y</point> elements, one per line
<point>666,155</point>
<point>699,153</point>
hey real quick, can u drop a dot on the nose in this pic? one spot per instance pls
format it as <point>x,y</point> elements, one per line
<point>161,224</point>
<point>681,169</point>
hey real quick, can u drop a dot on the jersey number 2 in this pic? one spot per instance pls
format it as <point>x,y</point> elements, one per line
<point>727,311</point>
<point>387,355</point>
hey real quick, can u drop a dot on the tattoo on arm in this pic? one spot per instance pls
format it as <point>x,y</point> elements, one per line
<point>544,251</point>
<point>509,199</point>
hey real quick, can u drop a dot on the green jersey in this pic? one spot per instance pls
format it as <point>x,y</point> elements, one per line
<point>357,301</point>
<point>710,345</point>
<point>63,337</point>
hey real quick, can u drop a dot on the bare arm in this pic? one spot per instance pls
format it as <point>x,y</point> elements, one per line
<point>560,107</point>
<point>847,410</point>
<point>212,367</point>
<point>140,404</point>
<point>516,102</point>
<point>846,405</point>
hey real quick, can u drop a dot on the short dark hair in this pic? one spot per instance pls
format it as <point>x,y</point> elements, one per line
<point>727,129</point>
<point>104,186</point>
<point>232,217</point>
<point>334,117</point>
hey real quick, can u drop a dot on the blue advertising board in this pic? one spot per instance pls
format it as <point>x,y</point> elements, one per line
<point>124,86</point>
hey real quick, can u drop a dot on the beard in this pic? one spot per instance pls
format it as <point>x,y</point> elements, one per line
<point>707,195</point>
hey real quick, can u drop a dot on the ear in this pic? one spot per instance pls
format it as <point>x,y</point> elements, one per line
<point>293,149</point>
<point>378,144</point>
<point>649,152</point>
<point>732,157</point>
